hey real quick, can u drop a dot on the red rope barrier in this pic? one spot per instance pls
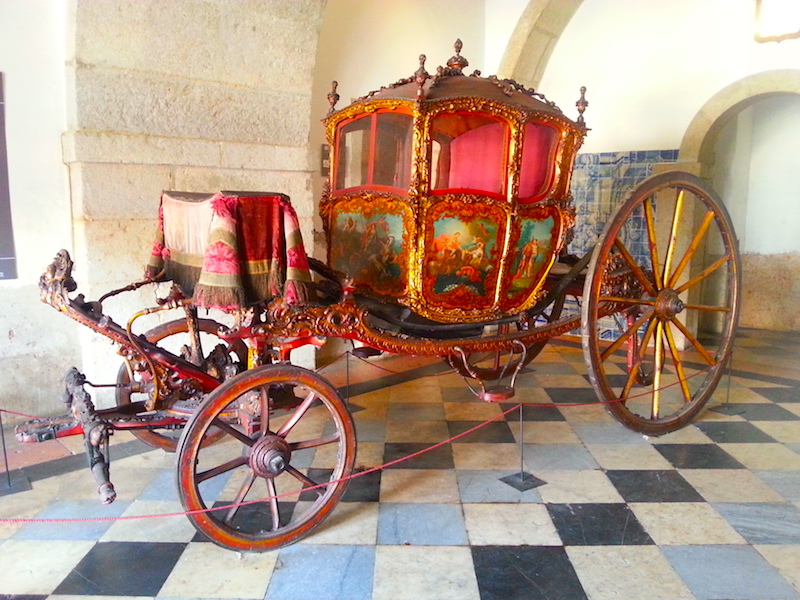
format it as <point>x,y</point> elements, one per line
<point>353,475</point>
<point>278,496</point>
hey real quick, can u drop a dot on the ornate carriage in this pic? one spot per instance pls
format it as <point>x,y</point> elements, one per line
<point>448,215</point>
<point>449,194</point>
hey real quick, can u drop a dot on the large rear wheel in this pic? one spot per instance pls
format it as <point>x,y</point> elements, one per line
<point>661,302</point>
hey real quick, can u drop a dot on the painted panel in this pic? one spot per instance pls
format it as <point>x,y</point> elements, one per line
<point>464,243</point>
<point>369,243</point>
<point>532,254</point>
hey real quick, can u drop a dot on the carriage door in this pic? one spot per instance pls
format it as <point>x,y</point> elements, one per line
<point>468,209</point>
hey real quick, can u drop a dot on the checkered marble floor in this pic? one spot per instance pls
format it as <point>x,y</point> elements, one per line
<point>709,512</point>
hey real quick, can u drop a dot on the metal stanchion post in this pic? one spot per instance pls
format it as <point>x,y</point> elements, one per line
<point>13,482</point>
<point>522,481</point>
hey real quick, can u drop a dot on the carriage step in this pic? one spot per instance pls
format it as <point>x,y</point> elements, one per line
<point>500,393</point>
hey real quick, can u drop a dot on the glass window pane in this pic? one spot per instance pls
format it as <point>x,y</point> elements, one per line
<point>538,145</point>
<point>471,153</point>
<point>353,153</point>
<point>393,150</point>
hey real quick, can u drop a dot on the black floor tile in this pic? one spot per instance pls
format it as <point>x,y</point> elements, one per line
<point>734,432</point>
<point>779,394</point>
<point>497,432</point>
<point>525,573</point>
<point>653,486</point>
<point>258,515</point>
<point>364,488</point>
<point>757,411</point>
<point>533,413</point>
<point>122,569</point>
<point>697,456</point>
<point>22,597</point>
<point>438,458</point>
<point>598,525</point>
<point>572,395</point>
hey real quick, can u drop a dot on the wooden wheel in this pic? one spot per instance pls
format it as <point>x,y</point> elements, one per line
<point>667,270</point>
<point>288,434</point>
<point>173,336</point>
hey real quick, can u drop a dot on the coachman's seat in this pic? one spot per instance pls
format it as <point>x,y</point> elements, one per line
<point>449,194</point>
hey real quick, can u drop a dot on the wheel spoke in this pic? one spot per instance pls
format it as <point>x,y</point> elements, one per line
<point>231,430</point>
<point>220,469</point>
<point>264,410</point>
<point>240,496</point>
<point>658,367</point>
<point>693,340</point>
<point>673,236</point>
<point>274,508</point>
<point>621,300</point>
<point>708,308</point>
<point>298,414</point>
<point>708,271</point>
<point>676,360</point>
<point>307,483</point>
<point>637,365</point>
<point>314,443</point>
<point>693,246</point>
<point>624,337</point>
<point>651,240</point>
<point>636,269</point>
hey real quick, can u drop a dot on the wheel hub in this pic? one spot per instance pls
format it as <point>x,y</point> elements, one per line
<point>668,304</point>
<point>269,456</point>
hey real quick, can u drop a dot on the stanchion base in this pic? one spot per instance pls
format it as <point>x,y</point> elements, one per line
<point>19,483</point>
<point>728,409</point>
<point>523,481</point>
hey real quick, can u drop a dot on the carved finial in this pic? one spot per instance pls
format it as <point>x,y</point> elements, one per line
<point>457,63</point>
<point>333,97</point>
<point>582,104</point>
<point>420,77</point>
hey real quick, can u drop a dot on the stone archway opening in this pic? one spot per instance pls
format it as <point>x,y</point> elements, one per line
<point>746,141</point>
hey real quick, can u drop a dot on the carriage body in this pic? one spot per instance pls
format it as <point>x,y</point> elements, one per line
<point>450,194</point>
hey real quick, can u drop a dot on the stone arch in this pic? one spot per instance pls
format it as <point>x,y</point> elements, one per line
<point>770,287</point>
<point>534,39</point>
<point>697,146</point>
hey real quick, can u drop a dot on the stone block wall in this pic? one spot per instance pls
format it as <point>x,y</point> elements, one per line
<point>195,96</point>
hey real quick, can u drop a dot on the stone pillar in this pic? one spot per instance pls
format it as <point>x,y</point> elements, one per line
<point>193,96</point>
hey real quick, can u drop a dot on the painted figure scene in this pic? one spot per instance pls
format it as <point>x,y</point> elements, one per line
<point>533,250</point>
<point>369,250</point>
<point>462,255</point>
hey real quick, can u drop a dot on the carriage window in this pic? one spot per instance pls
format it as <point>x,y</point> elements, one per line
<point>469,152</point>
<point>375,150</point>
<point>538,146</point>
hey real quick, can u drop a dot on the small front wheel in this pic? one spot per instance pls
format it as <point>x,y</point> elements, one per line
<point>289,446</point>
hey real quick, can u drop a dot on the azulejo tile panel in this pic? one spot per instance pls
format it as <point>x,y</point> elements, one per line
<point>601,181</point>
